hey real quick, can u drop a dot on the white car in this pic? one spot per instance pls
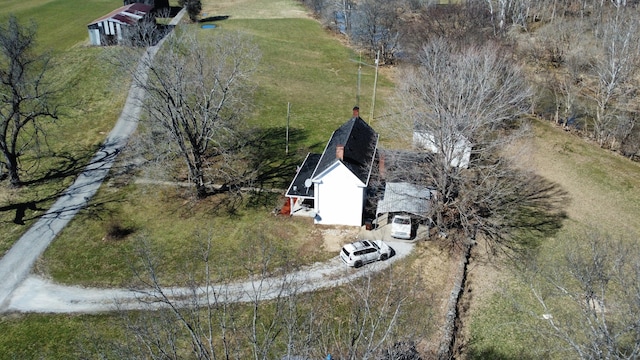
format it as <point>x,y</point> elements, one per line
<point>401,227</point>
<point>365,251</point>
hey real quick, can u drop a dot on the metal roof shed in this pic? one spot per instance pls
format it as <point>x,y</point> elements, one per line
<point>405,197</point>
<point>108,29</point>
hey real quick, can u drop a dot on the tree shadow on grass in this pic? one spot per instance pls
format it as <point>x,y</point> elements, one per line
<point>267,153</point>
<point>30,210</point>
<point>533,212</point>
<point>50,181</point>
<point>54,166</point>
<point>214,18</point>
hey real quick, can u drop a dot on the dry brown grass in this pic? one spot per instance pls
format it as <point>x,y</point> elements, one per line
<point>254,9</point>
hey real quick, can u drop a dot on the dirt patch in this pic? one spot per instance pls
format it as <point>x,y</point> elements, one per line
<point>334,237</point>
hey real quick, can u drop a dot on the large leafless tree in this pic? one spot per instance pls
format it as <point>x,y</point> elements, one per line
<point>469,105</point>
<point>614,72</point>
<point>26,99</point>
<point>377,26</point>
<point>587,303</point>
<point>197,96</point>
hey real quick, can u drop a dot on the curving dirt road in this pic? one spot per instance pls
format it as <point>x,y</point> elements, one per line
<point>36,294</point>
<point>16,264</point>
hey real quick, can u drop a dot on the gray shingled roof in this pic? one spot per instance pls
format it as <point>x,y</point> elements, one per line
<point>297,187</point>
<point>359,141</point>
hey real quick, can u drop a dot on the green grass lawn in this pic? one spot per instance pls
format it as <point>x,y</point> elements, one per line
<point>61,23</point>
<point>603,188</point>
<point>314,73</point>
<point>93,93</point>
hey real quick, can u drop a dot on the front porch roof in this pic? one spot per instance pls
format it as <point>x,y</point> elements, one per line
<point>297,187</point>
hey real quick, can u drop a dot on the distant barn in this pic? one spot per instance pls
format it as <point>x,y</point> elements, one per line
<point>110,29</point>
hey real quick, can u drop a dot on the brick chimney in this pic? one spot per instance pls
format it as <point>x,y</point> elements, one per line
<point>356,112</point>
<point>340,152</point>
<point>381,167</point>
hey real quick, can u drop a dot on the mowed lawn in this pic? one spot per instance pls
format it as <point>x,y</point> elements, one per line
<point>91,94</point>
<point>61,23</point>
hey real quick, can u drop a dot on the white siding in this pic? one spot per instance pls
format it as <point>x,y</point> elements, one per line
<point>339,197</point>
<point>119,32</point>
<point>458,149</point>
<point>94,36</point>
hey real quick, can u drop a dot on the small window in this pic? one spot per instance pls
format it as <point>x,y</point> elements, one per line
<point>366,243</point>
<point>358,253</point>
<point>375,245</point>
<point>371,250</point>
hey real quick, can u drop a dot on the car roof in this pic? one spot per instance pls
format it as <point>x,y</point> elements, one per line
<point>358,245</point>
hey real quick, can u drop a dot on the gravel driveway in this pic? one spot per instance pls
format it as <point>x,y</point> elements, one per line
<point>36,294</point>
<point>16,264</point>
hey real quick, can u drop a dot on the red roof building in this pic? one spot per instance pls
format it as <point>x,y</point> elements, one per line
<point>108,29</point>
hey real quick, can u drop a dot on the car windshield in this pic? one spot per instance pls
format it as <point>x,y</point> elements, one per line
<point>403,221</point>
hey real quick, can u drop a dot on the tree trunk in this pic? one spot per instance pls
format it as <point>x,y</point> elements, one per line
<point>12,170</point>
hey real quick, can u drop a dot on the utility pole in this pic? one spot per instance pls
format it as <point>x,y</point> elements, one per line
<point>288,116</point>
<point>359,74</point>
<point>375,83</point>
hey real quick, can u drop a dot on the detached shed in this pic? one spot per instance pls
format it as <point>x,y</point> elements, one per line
<point>406,198</point>
<point>109,29</point>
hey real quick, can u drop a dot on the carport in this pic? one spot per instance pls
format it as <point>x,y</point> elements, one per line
<point>406,198</point>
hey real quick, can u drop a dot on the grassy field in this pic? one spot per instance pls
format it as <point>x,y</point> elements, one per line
<point>93,92</point>
<point>302,65</point>
<point>321,96</point>
<point>603,188</point>
<point>62,24</point>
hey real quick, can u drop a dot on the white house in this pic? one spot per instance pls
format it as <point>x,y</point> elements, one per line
<point>456,149</point>
<point>331,187</point>
<point>109,29</point>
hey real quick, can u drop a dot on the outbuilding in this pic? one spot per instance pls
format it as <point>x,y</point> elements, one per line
<point>110,29</point>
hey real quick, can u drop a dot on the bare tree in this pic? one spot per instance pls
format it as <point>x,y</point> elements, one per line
<point>613,70</point>
<point>194,7</point>
<point>588,299</point>
<point>467,106</point>
<point>267,315</point>
<point>377,26</point>
<point>197,96</point>
<point>26,99</point>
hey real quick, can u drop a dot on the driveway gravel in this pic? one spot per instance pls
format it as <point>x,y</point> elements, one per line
<point>36,294</point>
